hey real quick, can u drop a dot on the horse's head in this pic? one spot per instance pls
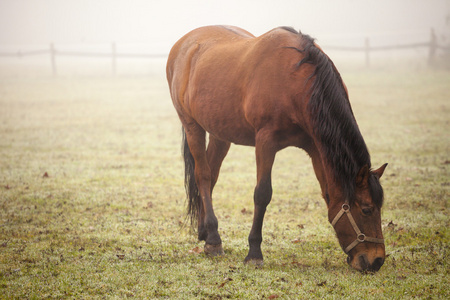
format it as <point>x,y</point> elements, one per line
<point>358,222</point>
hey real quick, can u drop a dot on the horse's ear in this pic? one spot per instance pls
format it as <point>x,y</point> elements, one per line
<point>363,176</point>
<point>379,172</point>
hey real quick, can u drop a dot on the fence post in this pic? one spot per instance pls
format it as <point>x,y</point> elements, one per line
<point>114,54</point>
<point>52,58</point>
<point>367,51</point>
<point>432,51</point>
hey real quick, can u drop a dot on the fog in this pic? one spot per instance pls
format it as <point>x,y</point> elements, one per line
<point>151,27</point>
<point>161,23</point>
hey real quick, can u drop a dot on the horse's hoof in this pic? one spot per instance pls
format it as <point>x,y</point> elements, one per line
<point>214,250</point>
<point>258,262</point>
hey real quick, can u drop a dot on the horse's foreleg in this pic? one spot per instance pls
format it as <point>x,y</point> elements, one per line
<point>208,223</point>
<point>265,156</point>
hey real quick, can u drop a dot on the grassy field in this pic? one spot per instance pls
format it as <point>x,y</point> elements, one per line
<point>92,198</point>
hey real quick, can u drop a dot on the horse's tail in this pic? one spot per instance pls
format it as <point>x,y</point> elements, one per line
<point>192,192</point>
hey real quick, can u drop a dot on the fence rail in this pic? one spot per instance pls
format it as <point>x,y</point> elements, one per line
<point>432,46</point>
<point>113,55</point>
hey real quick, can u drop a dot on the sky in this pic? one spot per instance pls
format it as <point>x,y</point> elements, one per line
<point>161,23</point>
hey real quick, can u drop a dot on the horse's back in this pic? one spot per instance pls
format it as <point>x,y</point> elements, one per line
<point>231,82</point>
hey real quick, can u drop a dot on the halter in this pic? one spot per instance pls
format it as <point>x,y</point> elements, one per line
<point>360,237</point>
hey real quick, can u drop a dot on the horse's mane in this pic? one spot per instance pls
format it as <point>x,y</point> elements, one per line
<point>334,123</point>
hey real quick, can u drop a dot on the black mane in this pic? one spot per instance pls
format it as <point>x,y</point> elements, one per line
<point>334,122</point>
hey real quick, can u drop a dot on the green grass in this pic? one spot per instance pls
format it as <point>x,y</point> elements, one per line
<point>108,221</point>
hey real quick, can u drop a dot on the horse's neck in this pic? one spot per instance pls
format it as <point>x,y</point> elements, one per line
<point>325,175</point>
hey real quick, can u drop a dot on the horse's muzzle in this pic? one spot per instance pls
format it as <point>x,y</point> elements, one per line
<point>362,263</point>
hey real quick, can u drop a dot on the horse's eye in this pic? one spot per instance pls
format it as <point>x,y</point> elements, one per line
<point>367,211</point>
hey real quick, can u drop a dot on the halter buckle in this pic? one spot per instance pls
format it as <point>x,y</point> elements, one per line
<point>361,237</point>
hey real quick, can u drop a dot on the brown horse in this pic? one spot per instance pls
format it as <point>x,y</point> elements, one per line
<point>271,92</point>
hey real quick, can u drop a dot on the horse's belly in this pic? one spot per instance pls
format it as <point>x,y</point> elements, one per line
<point>225,121</point>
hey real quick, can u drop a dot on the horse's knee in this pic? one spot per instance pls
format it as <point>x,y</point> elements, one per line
<point>255,239</point>
<point>263,194</point>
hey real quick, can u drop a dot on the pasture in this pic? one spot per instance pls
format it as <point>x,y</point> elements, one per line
<point>92,202</point>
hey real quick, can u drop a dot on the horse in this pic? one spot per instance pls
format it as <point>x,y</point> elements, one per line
<point>271,92</point>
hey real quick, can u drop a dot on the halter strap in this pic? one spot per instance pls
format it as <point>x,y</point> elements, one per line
<point>360,237</point>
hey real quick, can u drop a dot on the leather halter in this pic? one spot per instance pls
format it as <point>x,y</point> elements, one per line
<point>360,237</point>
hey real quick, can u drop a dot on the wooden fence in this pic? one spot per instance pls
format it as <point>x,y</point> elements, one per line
<point>53,52</point>
<point>432,46</point>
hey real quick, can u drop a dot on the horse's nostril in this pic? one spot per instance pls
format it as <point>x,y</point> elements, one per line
<point>377,263</point>
<point>363,262</point>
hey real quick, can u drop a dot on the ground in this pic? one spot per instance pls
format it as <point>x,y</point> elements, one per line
<point>93,206</point>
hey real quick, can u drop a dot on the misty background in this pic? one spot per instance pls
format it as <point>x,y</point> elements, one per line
<point>152,27</point>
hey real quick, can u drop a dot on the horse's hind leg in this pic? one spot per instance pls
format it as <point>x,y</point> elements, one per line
<point>203,177</point>
<point>216,152</point>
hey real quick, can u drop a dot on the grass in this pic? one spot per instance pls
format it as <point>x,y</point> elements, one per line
<point>92,197</point>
